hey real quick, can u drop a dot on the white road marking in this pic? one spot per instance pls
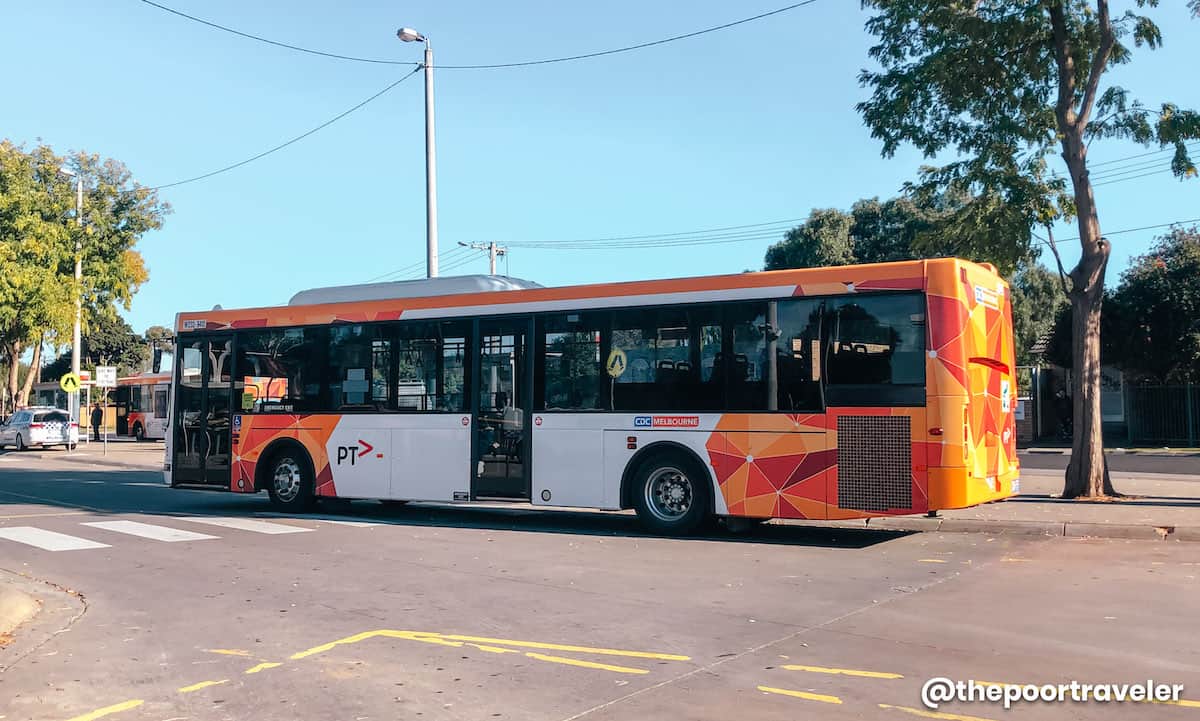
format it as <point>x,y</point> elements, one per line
<point>321,519</point>
<point>247,524</point>
<point>147,530</point>
<point>48,540</point>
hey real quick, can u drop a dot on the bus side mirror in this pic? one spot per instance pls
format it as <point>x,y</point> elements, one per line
<point>156,364</point>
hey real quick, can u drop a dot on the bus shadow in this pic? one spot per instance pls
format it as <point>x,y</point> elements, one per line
<point>528,519</point>
<point>114,491</point>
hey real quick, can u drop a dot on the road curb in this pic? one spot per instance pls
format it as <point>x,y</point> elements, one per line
<point>16,607</point>
<point>1067,529</point>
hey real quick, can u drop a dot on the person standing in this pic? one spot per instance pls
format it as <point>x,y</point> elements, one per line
<point>97,419</point>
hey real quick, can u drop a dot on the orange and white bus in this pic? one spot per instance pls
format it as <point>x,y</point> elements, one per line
<point>141,405</point>
<point>827,393</point>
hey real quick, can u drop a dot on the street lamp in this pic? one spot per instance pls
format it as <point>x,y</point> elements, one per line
<point>75,331</point>
<point>409,35</point>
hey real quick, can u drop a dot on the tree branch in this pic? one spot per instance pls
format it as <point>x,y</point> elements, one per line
<point>1099,63</point>
<point>1062,272</point>
<point>1064,108</point>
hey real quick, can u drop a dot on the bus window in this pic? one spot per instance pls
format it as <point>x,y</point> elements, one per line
<point>876,350</point>
<point>569,365</point>
<point>798,355</point>
<point>282,369</point>
<point>359,363</point>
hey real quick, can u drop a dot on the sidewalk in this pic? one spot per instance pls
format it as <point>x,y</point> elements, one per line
<point>124,453</point>
<point>1163,507</point>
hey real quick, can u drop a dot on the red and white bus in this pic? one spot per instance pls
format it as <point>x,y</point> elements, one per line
<point>827,393</point>
<point>141,403</point>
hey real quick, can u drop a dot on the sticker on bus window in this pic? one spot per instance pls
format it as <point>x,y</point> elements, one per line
<point>617,363</point>
<point>247,401</point>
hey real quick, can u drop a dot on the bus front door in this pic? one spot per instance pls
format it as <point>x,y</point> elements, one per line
<point>501,405</point>
<point>202,412</point>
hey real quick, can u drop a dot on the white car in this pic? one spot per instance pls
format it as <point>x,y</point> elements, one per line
<point>31,427</point>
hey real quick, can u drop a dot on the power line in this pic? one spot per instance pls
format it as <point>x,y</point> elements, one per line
<point>789,222</point>
<point>545,61</point>
<point>415,266</point>
<point>1139,155</point>
<point>1132,177</point>
<point>627,48</point>
<point>283,145</point>
<point>276,43</point>
<point>1121,232</point>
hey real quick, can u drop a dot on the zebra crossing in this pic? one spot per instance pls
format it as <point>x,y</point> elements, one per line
<point>103,534</point>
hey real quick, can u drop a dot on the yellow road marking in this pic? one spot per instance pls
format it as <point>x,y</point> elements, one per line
<point>933,714</point>
<point>262,667</point>
<point>115,708</point>
<point>1181,702</point>
<point>493,649</point>
<point>995,683</point>
<point>227,651</point>
<point>1007,560</point>
<point>930,560</point>
<point>583,664</point>
<point>562,647</point>
<point>458,640</point>
<point>333,644</point>
<point>801,694</point>
<point>202,684</point>
<point>842,671</point>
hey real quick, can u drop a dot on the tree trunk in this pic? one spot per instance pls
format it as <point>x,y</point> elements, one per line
<point>13,350</point>
<point>34,373</point>
<point>1087,472</point>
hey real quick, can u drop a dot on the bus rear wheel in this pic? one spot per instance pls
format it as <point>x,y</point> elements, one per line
<point>139,433</point>
<point>290,482</point>
<point>671,494</point>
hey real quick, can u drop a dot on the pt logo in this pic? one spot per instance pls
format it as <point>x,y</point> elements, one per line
<point>353,453</point>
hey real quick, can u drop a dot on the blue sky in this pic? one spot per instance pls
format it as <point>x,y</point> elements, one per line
<point>748,125</point>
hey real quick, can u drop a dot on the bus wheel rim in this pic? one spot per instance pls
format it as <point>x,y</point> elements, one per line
<point>286,480</point>
<point>669,493</point>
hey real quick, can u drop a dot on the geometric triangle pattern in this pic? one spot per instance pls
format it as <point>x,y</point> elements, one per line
<point>252,434</point>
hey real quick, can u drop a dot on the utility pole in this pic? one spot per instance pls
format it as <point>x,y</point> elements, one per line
<point>494,251</point>
<point>76,331</point>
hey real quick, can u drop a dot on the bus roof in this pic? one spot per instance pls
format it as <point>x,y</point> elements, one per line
<point>361,304</point>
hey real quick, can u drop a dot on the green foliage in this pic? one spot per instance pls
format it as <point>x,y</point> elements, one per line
<point>39,233</point>
<point>110,341</point>
<point>1038,299</point>
<point>981,80</point>
<point>823,239</point>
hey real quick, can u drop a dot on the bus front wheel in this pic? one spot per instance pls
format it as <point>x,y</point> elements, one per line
<point>290,482</point>
<point>671,494</point>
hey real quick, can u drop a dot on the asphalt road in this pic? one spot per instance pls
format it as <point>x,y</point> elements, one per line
<point>1120,462</point>
<point>427,612</point>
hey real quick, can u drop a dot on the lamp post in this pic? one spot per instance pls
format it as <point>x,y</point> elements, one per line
<point>409,35</point>
<point>76,331</point>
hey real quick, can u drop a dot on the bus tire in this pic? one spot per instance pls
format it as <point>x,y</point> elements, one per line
<point>139,433</point>
<point>671,493</point>
<point>290,482</point>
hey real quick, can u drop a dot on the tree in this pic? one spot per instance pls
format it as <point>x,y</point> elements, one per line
<point>39,234</point>
<point>1153,316</point>
<point>1002,84</point>
<point>1037,298</point>
<point>823,239</point>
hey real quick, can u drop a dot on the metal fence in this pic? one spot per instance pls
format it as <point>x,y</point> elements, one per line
<point>1163,415</point>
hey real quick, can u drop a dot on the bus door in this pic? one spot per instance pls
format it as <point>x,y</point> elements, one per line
<point>503,398</point>
<point>121,403</point>
<point>202,412</point>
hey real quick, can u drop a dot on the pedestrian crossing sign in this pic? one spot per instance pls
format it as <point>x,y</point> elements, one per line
<point>69,382</point>
<point>617,362</point>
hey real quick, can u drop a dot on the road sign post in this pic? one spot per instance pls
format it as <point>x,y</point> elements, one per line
<point>70,384</point>
<point>106,377</point>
